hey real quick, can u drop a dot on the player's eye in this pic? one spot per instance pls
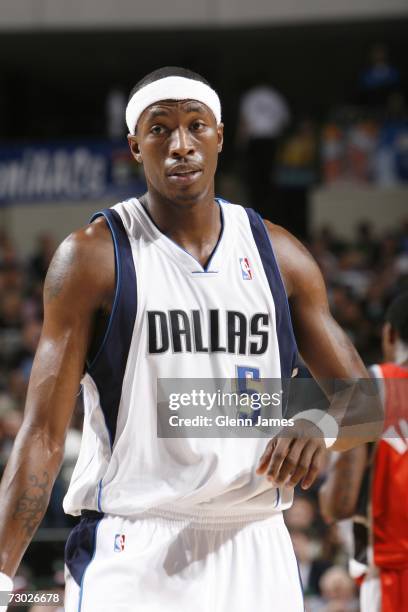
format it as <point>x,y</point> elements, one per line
<point>157,129</point>
<point>198,125</point>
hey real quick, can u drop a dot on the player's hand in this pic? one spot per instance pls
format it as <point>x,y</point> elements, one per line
<point>294,455</point>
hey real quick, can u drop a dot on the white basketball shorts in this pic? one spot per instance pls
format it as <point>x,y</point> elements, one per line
<point>166,561</point>
<point>370,595</point>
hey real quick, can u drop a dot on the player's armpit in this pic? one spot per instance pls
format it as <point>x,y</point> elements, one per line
<point>79,281</point>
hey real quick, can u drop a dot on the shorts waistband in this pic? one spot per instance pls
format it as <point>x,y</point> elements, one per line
<point>92,514</point>
<point>205,518</point>
<point>197,517</point>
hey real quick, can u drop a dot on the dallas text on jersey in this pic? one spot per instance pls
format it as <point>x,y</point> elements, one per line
<point>185,331</point>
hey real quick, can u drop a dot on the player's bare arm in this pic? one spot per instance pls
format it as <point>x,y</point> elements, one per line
<point>339,494</point>
<point>325,349</point>
<point>79,285</point>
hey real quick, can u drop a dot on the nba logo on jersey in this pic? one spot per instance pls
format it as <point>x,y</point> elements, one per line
<point>119,542</point>
<point>245,268</point>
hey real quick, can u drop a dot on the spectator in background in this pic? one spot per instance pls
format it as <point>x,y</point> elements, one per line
<point>333,153</point>
<point>41,259</point>
<point>365,242</point>
<point>311,566</point>
<point>379,79</point>
<point>115,111</point>
<point>8,253</point>
<point>301,515</point>
<point>402,259</point>
<point>338,592</point>
<point>10,423</point>
<point>391,160</point>
<point>362,138</point>
<point>324,257</point>
<point>11,277</point>
<point>264,114</point>
<point>348,311</point>
<point>296,173</point>
<point>11,324</point>
<point>30,337</point>
<point>17,388</point>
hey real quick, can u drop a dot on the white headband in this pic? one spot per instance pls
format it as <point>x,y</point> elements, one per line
<point>171,88</point>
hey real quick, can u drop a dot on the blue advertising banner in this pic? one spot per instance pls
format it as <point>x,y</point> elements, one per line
<point>68,171</point>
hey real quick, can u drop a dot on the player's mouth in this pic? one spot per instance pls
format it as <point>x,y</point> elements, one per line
<point>184,175</point>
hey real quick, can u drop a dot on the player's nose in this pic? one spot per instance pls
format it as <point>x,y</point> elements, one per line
<point>181,143</point>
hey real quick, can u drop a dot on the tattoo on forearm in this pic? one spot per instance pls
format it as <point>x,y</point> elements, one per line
<point>32,504</point>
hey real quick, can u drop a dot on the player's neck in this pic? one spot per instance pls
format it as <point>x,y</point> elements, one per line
<point>194,222</point>
<point>194,226</point>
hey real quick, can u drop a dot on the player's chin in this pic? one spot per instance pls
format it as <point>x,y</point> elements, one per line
<point>188,195</point>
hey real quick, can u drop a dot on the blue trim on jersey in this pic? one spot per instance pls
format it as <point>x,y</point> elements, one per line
<point>99,500</point>
<point>205,268</point>
<point>286,339</point>
<point>118,273</point>
<point>278,497</point>
<point>108,367</point>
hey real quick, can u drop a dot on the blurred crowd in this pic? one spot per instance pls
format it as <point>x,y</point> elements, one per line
<point>322,554</point>
<point>362,139</point>
<point>362,276</point>
<point>366,140</point>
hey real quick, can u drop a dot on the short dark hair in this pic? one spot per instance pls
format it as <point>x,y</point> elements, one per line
<point>397,315</point>
<point>167,71</point>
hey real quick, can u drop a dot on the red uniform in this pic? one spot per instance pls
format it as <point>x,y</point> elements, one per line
<point>389,493</point>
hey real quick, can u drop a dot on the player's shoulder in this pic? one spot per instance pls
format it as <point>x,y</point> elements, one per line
<point>85,261</point>
<point>89,243</point>
<point>282,239</point>
<point>95,234</point>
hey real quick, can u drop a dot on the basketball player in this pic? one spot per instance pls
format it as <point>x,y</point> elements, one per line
<point>176,284</point>
<point>370,483</point>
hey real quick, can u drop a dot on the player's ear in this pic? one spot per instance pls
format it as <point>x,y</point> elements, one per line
<point>134,147</point>
<point>220,134</point>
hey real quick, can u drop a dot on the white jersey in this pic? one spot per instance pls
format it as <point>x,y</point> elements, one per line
<point>174,319</point>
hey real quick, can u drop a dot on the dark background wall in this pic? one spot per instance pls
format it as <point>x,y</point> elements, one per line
<point>54,84</point>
